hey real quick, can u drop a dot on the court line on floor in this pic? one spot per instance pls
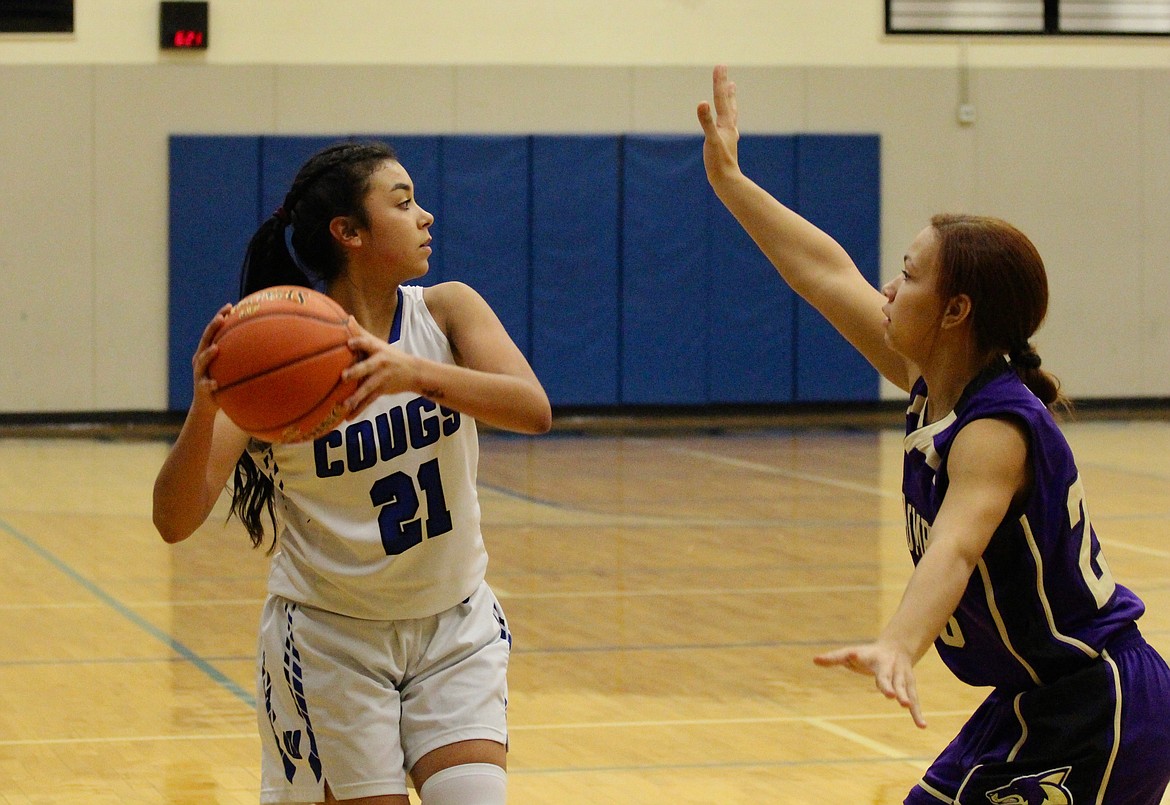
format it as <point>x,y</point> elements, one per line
<point>113,603</point>
<point>503,593</point>
<point>859,739</point>
<point>650,520</point>
<point>116,739</point>
<point>772,469</point>
<point>1129,546</point>
<point>600,518</point>
<point>519,649</point>
<point>651,647</point>
<point>738,764</point>
<point>864,488</point>
<point>715,722</point>
<point>168,603</point>
<point>827,723</point>
<point>513,770</point>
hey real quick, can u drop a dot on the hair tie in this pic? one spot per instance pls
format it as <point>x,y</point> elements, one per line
<point>280,214</point>
<point>1025,358</point>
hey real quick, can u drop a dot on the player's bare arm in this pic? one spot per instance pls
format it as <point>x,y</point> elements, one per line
<point>988,469</point>
<point>201,461</point>
<point>809,260</point>
<point>492,381</point>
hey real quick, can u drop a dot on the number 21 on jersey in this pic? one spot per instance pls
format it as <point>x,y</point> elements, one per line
<point>398,496</point>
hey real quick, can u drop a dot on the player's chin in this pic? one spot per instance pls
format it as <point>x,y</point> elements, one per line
<point>420,270</point>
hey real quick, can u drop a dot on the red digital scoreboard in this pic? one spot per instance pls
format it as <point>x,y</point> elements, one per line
<point>182,25</point>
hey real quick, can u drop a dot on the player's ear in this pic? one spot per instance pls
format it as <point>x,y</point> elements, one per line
<point>344,230</point>
<point>957,310</point>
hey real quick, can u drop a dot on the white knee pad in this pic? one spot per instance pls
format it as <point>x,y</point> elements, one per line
<point>466,784</point>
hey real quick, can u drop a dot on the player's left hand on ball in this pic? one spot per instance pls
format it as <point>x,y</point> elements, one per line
<point>381,369</point>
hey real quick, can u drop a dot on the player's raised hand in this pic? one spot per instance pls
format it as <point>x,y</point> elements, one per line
<point>891,668</point>
<point>720,132</point>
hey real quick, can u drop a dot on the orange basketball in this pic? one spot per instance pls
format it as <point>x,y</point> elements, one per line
<point>278,370</point>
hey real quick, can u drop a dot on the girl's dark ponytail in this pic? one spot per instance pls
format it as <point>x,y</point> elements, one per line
<point>1026,361</point>
<point>268,261</point>
<point>332,182</point>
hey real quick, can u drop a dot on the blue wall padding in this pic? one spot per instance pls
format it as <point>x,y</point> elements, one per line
<point>485,227</point>
<point>422,156</point>
<point>839,190</point>
<point>214,195</point>
<point>666,265</point>
<point>607,258</point>
<point>576,268</point>
<point>752,311</point>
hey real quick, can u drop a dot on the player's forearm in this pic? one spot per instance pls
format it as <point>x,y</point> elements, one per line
<point>504,401</point>
<point>803,254</point>
<point>931,597</point>
<point>182,499</point>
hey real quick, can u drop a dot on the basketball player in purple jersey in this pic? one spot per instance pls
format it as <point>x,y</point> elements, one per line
<point>1010,582</point>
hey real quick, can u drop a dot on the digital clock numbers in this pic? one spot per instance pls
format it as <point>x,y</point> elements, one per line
<point>182,25</point>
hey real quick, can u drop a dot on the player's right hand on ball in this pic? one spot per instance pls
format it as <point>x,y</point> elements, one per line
<point>205,353</point>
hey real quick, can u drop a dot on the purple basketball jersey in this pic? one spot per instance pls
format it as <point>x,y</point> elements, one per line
<point>1041,601</point>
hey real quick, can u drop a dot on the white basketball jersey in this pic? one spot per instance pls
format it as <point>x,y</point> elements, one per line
<point>379,518</point>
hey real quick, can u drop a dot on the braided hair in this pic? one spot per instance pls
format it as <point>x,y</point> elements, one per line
<point>999,268</point>
<point>332,183</point>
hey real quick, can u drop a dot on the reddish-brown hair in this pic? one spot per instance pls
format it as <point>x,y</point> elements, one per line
<point>999,269</point>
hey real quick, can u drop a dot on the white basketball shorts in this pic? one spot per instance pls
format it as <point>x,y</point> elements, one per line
<point>358,702</point>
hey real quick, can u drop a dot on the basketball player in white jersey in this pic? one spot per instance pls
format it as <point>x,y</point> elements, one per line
<point>382,651</point>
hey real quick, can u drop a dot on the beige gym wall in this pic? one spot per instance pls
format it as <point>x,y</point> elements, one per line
<point>1071,142</point>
